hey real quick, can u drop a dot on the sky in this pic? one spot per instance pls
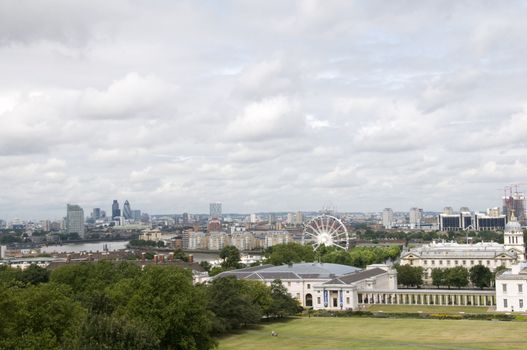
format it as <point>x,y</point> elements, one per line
<point>263,106</point>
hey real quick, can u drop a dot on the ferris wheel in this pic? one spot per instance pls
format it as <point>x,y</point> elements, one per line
<point>326,230</point>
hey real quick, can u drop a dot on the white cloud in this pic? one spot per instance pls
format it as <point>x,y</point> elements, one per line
<point>275,106</point>
<point>276,117</point>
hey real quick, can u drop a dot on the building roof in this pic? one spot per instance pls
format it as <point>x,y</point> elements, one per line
<point>292,271</point>
<point>452,250</point>
<point>357,276</point>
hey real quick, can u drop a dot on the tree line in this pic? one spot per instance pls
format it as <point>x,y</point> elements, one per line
<point>107,305</point>
<point>357,256</point>
<point>479,276</point>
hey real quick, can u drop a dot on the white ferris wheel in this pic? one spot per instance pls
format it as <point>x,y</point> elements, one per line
<point>326,230</point>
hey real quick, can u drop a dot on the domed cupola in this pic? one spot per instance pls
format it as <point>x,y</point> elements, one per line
<point>513,238</point>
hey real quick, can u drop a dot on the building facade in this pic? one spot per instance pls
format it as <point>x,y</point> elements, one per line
<point>127,210</point>
<point>322,285</point>
<point>387,218</point>
<point>215,210</point>
<point>451,254</point>
<point>75,220</point>
<point>511,289</point>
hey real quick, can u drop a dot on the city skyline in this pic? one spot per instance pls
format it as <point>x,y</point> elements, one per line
<point>283,107</point>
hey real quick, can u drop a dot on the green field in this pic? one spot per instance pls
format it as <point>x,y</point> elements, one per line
<point>430,309</point>
<point>371,333</point>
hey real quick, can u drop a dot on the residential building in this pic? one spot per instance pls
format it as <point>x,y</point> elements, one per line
<point>75,220</point>
<point>244,241</point>
<point>415,216</point>
<point>215,210</point>
<point>387,218</point>
<point>276,237</point>
<point>217,240</point>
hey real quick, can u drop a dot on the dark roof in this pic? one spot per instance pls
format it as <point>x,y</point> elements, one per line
<point>357,276</point>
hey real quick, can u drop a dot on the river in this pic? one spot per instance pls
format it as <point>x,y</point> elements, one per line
<point>111,245</point>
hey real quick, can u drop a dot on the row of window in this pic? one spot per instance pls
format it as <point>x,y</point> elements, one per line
<point>506,303</point>
<point>504,287</point>
<point>456,262</point>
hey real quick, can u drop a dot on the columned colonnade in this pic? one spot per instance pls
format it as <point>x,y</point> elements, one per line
<point>428,297</point>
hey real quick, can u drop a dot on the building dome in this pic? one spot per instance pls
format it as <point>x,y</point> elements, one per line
<point>513,225</point>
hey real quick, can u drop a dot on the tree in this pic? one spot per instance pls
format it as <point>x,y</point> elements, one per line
<point>164,299</point>
<point>34,274</point>
<point>114,333</point>
<point>289,253</point>
<point>457,277</point>
<point>231,257</point>
<point>480,276</point>
<point>205,265</point>
<point>231,304</point>
<point>438,277</point>
<point>38,317</point>
<point>409,275</point>
<point>282,303</point>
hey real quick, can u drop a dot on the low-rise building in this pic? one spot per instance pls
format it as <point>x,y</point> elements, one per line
<point>451,254</point>
<point>322,285</point>
<point>511,289</point>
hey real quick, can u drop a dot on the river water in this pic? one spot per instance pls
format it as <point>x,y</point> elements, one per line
<point>111,246</point>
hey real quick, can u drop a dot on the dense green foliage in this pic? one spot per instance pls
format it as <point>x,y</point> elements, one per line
<point>481,276</point>
<point>108,305</point>
<point>231,257</point>
<point>289,253</point>
<point>459,276</point>
<point>409,275</point>
<point>358,256</point>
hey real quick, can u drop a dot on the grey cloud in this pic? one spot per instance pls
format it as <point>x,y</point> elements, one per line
<point>270,106</point>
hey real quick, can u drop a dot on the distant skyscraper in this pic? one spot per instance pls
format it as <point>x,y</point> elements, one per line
<point>387,218</point>
<point>96,213</point>
<point>75,220</point>
<point>136,215</point>
<point>127,211</point>
<point>185,219</point>
<point>116,212</point>
<point>416,215</point>
<point>299,219</point>
<point>215,210</point>
<point>515,202</point>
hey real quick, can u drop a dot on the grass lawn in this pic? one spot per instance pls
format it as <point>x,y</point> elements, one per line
<point>371,333</point>
<point>430,309</point>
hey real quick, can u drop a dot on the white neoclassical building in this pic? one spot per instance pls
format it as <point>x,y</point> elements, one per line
<point>511,289</point>
<point>323,285</point>
<point>451,254</point>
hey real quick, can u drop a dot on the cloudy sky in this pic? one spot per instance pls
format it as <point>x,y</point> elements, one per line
<point>264,106</point>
